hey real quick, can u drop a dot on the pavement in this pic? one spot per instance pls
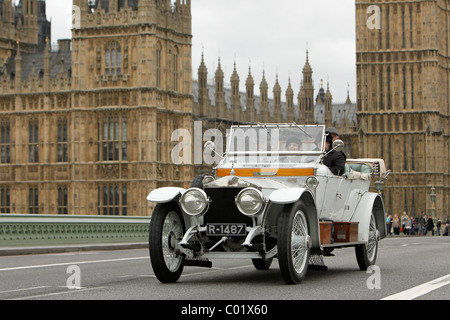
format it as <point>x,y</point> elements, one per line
<point>17,250</point>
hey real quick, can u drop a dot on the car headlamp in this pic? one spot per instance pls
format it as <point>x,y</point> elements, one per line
<point>312,182</point>
<point>194,202</point>
<point>250,202</point>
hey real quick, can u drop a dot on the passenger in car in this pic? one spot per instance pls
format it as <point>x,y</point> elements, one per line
<point>293,144</point>
<point>335,160</point>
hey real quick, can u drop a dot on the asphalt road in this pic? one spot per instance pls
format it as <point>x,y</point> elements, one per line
<point>418,263</point>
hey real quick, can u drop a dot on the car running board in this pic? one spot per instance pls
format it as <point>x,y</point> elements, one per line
<point>204,263</point>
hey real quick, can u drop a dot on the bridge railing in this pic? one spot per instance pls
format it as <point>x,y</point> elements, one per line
<point>35,230</point>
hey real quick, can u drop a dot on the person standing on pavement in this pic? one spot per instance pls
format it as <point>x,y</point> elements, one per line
<point>417,227</point>
<point>423,223</point>
<point>438,226</point>
<point>404,221</point>
<point>407,228</point>
<point>388,223</point>
<point>396,225</point>
<point>430,226</point>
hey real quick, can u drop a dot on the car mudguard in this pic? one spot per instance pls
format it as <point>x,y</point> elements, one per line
<point>370,202</point>
<point>286,195</point>
<point>164,195</point>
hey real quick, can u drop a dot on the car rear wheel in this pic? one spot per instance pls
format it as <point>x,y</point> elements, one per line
<point>366,254</point>
<point>166,231</point>
<point>294,243</point>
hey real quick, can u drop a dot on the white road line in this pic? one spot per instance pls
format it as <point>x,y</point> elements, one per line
<point>71,263</point>
<point>57,293</point>
<point>24,289</point>
<point>421,289</point>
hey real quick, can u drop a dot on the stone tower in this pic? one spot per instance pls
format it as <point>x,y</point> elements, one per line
<point>25,22</point>
<point>402,98</point>
<point>86,128</point>
<point>306,95</point>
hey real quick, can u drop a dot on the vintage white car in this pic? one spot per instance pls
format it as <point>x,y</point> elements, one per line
<point>270,196</point>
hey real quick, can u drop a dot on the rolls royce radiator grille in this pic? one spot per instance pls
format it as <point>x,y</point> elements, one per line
<point>222,208</point>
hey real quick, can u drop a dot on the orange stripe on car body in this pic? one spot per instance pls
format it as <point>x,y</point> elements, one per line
<point>261,172</point>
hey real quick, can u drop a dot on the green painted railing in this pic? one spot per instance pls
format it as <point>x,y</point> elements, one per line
<point>35,230</point>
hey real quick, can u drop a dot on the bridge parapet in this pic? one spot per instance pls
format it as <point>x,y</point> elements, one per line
<point>35,230</point>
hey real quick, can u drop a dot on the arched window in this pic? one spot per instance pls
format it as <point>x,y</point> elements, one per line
<point>62,200</point>
<point>158,64</point>
<point>175,69</point>
<point>113,59</point>
<point>113,138</point>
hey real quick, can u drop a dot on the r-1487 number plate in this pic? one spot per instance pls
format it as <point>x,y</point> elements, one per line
<point>226,229</point>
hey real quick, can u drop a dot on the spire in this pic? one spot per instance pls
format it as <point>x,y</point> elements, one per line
<point>348,101</point>
<point>290,117</point>
<point>203,74</point>
<point>18,61</point>
<point>307,68</point>
<point>277,100</point>
<point>220,92</point>
<point>263,84</point>
<point>203,95</point>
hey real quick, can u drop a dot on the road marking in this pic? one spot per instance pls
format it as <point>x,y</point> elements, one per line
<point>25,289</point>
<point>214,270</point>
<point>71,263</point>
<point>421,289</point>
<point>58,293</point>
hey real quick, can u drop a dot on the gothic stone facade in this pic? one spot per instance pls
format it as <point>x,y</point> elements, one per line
<point>403,98</point>
<point>85,129</point>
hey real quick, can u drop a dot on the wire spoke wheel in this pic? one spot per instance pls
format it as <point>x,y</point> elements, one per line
<point>294,244</point>
<point>366,254</point>
<point>166,231</point>
<point>299,248</point>
<point>172,233</point>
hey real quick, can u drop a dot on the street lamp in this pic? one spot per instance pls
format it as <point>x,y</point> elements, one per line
<point>379,186</point>
<point>433,201</point>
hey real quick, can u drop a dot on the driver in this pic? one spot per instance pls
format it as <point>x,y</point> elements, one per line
<point>293,144</point>
<point>335,160</point>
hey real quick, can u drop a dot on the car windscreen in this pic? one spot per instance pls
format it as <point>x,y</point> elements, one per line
<point>265,144</point>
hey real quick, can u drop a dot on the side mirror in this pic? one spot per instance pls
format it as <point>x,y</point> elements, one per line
<point>338,145</point>
<point>210,145</point>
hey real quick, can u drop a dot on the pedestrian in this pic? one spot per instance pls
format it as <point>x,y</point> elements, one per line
<point>423,222</point>
<point>404,222</point>
<point>446,230</point>
<point>390,226</point>
<point>416,226</point>
<point>438,226</point>
<point>408,227</point>
<point>413,228</point>
<point>388,223</point>
<point>396,225</point>
<point>430,226</point>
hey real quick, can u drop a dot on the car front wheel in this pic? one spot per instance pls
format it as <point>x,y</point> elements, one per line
<point>294,243</point>
<point>166,231</point>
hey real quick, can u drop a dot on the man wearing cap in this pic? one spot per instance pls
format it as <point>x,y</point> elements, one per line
<point>335,160</point>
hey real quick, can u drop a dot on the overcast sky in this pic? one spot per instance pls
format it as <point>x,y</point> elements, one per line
<point>265,34</point>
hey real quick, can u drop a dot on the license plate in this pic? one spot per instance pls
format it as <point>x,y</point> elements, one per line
<point>226,229</point>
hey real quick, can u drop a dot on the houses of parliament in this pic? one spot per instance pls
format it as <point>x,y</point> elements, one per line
<point>85,127</point>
